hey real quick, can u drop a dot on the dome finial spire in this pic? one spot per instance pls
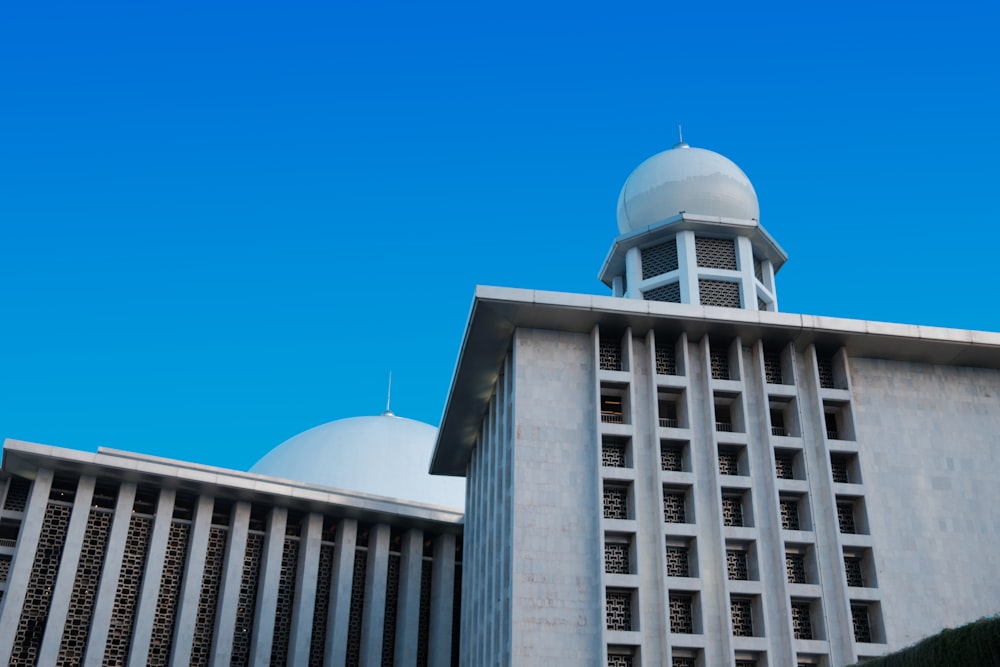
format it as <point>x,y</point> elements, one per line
<point>388,399</point>
<point>680,138</point>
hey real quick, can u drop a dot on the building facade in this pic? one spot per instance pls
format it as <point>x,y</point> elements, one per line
<point>677,474</point>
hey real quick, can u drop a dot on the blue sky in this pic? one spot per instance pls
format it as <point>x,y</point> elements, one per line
<point>224,223</point>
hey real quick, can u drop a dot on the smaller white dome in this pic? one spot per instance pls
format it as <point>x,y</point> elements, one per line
<point>692,180</point>
<point>384,456</point>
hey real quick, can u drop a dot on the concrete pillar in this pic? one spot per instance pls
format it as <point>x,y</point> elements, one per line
<point>687,265</point>
<point>24,558</point>
<point>267,590</point>
<point>442,601</point>
<point>104,604</point>
<point>375,588</point>
<point>150,592</point>
<point>63,590</point>
<point>633,273</point>
<point>408,614</point>
<point>229,588</point>
<point>340,593</point>
<point>194,571</point>
<point>306,579</point>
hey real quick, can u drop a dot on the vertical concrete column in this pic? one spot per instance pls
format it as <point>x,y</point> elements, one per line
<point>229,587</point>
<point>150,592</point>
<point>375,587</point>
<point>340,593</point>
<point>104,604</point>
<point>24,558</point>
<point>748,282</point>
<point>408,614</point>
<point>63,590</point>
<point>442,601</point>
<point>194,571</point>
<point>687,265</point>
<point>306,579</point>
<point>633,273</point>
<point>267,591</point>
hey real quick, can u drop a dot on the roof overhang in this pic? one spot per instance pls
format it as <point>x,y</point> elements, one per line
<point>497,312</point>
<point>25,459</point>
<point>763,243</point>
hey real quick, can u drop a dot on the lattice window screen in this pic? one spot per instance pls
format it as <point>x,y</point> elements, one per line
<point>729,463</point>
<point>424,625</point>
<point>789,513</point>
<point>772,367</point>
<point>719,362</point>
<point>715,253</point>
<point>670,293</point>
<point>37,598</point>
<point>616,558</point>
<point>784,466</point>
<point>88,577</point>
<point>18,490</point>
<point>659,259</point>
<point>286,596</point>
<point>801,620</point>
<point>619,608</point>
<point>357,607</point>
<point>610,354</point>
<point>673,507</point>
<point>671,457</point>
<point>391,608</point>
<point>719,293</point>
<point>166,602</point>
<point>129,584</point>
<point>732,511</point>
<point>247,601</point>
<point>825,367</point>
<point>677,561</point>
<point>862,624</point>
<point>681,616</point>
<point>321,606</point>
<point>852,567</point>
<point>666,360</point>
<point>845,517</point>
<point>615,502</point>
<point>736,564</point>
<point>613,453</point>
<point>795,568</point>
<point>204,627</point>
<point>742,612</point>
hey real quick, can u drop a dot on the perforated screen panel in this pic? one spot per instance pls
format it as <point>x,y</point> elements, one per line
<point>719,293</point>
<point>659,259</point>
<point>715,253</point>
<point>670,293</point>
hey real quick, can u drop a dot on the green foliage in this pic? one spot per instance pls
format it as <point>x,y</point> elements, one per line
<point>974,645</point>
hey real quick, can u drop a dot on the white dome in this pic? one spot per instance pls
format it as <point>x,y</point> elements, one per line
<point>385,456</point>
<point>692,180</point>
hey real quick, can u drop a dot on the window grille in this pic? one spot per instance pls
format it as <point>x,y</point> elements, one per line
<point>729,463</point>
<point>677,561</point>
<point>772,367</point>
<point>247,601</point>
<point>666,360</point>
<point>615,502</point>
<point>5,568</point>
<point>286,595</point>
<point>616,558</point>
<point>795,567</point>
<point>673,507</point>
<point>37,596</point>
<point>391,610</point>
<point>619,606</point>
<point>682,662</point>
<point>715,253</point>
<point>681,616</point>
<point>789,513</point>
<point>784,465</point>
<point>204,624</point>
<point>321,607</point>
<point>801,620</point>
<point>613,453</point>
<point>719,293</point>
<point>852,567</point>
<point>170,588</point>
<point>736,564</point>
<point>18,489</point>
<point>619,660</point>
<point>732,511</point>
<point>610,355</point>
<point>746,663</point>
<point>839,467</point>
<point>669,293</point>
<point>357,606</point>
<point>742,612</point>
<point>825,367</point>
<point>845,517</point>
<point>719,360</point>
<point>659,259</point>
<point>861,622</point>
<point>671,457</point>
<point>758,269</point>
<point>129,582</point>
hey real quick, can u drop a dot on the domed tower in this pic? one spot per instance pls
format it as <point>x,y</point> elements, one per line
<point>689,232</point>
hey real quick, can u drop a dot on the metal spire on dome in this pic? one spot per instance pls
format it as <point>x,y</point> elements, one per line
<point>388,399</point>
<point>680,138</point>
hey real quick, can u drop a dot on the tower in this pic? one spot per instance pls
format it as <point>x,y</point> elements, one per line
<point>689,232</point>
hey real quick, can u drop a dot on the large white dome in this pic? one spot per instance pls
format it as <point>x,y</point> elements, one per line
<point>385,456</point>
<point>692,180</point>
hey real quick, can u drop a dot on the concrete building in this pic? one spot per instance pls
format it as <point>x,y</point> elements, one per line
<point>677,474</point>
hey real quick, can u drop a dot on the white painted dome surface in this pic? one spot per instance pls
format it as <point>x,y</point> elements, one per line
<point>692,180</point>
<point>385,456</point>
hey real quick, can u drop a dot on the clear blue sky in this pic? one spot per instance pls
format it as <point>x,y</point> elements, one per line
<point>224,223</point>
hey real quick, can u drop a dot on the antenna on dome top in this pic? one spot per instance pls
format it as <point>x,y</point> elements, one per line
<point>680,138</point>
<point>388,399</point>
